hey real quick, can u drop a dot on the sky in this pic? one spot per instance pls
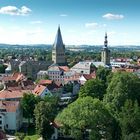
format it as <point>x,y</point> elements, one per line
<point>81,21</point>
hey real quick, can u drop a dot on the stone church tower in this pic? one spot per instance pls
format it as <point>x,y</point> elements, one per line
<point>58,50</point>
<point>105,54</point>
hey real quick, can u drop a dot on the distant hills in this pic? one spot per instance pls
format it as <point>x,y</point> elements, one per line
<point>74,47</point>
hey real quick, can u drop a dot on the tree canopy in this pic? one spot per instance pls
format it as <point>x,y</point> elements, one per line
<point>129,119</point>
<point>44,115</point>
<point>2,68</point>
<point>102,73</point>
<point>94,88</point>
<point>28,103</point>
<point>88,117</point>
<point>123,86</point>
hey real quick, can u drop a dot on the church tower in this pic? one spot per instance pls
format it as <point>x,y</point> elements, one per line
<point>58,50</point>
<point>105,54</point>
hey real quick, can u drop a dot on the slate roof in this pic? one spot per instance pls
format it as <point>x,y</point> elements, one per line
<point>58,43</point>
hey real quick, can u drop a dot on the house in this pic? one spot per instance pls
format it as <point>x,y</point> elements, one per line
<point>10,115</point>
<point>86,77</point>
<point>41,91</point>
<point>42,74</point>
<point>12,95</point>
<point>57,73</point>
<point>54,87</point>
<point>17,81</point>
<point>13,78</point>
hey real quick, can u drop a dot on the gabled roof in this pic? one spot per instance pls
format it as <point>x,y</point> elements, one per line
<point>9,94</point>
<point>58,43</point>
<point>39,89</point>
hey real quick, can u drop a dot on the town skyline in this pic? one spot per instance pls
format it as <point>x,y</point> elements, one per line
<point>81,22</point>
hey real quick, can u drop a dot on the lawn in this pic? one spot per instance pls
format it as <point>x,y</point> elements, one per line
<point>32,137</point>
<point>30,134</point>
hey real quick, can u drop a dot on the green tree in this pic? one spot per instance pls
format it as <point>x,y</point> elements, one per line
<point>2,68</point>
<point>88,117</point>
<point>129,119</point>
<point>28,103</point>
<point>102,73</point>
<point>123,86</point>
<point>44,114</point>
<point>68,87</point>
<point>94,88</point>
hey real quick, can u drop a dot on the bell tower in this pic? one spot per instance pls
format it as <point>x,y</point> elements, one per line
<point>105,54</point>
<point>58,50</point>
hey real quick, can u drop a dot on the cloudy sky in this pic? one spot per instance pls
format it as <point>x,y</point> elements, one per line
<point>81,21</point>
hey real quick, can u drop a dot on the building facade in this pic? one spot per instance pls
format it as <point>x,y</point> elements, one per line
<point>31,68</point>
<point>10,115</point>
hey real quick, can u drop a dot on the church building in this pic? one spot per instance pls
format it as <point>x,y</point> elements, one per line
<point>105,54</point>
<point>58,50</point>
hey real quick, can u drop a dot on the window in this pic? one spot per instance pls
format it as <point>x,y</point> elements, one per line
<point>6,125</point>
<point>0,121</point>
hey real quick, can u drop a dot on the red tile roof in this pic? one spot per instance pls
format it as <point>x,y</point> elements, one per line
<point>45,82</point>
<point>87,76</point>
<point>9,106</point>
<point>9,94</point>
<point>14,77</point>
<point>64,68</point>
<point>39,89</point>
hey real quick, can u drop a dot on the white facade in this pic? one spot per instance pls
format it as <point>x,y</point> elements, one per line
<point>10,119</point>
<point>41,74</point>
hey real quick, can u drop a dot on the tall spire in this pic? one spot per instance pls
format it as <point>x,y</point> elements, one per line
<point>106,41</point>
<point>58,39</point>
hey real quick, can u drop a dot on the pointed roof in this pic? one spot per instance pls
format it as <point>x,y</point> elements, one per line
<point>106,41</point>
<point>58,39</point>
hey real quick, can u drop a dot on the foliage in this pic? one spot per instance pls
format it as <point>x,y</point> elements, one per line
<point>94,88</point>
<point>102,73</point>
<point>129,119</point>
<point>88,117</point>
<point>44,115</point>
<point>123,86</point>
<point>33,137</point>
<point>53,101</point>
<point>20,135</point>
<point>2,68</point>
<point>1,86</point>
<point>28,103</point>
<point>68,87</point>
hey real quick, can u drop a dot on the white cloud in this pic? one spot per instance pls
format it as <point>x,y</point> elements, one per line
<point>36,22</point>
<point>91,25</point>
<point>63,15</point>
<point>110,16</point>
<point>13,10</point>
